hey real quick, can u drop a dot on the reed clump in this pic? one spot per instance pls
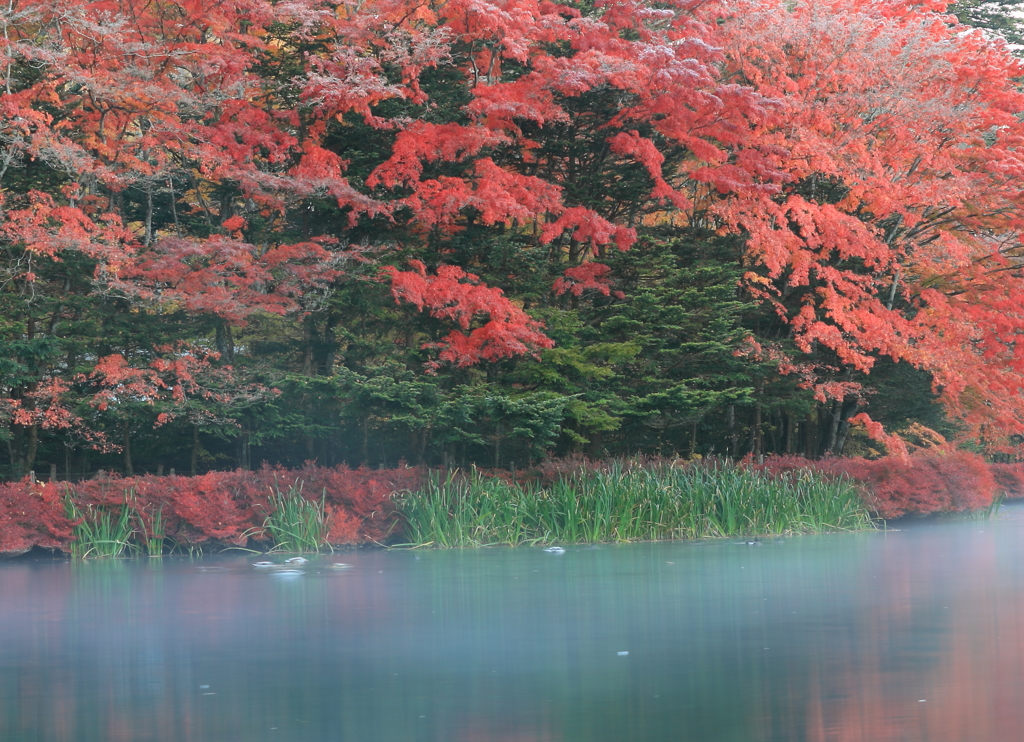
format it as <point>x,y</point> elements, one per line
<point>100,532</point>
<point>630,503</point>
<point>297,524</point>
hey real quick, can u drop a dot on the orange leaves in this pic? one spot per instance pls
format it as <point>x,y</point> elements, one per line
<point>43,405</point>
<point>644,151</point>
<point>893,138</point>
<point>229,278</point>
<point>585,277</point>
<point>47,228</point>
<point>587,227</point>
<point>454,295</point>
<point>875,431</point>
<point>221,507</point>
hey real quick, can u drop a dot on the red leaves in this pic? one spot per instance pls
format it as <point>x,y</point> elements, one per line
<point>172,378</point>
<point>227,277</point>
<point>888,129</point>
<point>226,508</point>
<point>586,277</point>
<point>1009,478</point>
<point>644,151</point>
<point>926,482</point>
<point>875,431</point>
<point>47,228</point>
<point>866,152</point>
<point>175,376</point>
<point>456,296</point>
<point>587,227</point>
<point>423,142</point>
<point>43,405</point>
<point>937,480</point>
<point>32,514</point>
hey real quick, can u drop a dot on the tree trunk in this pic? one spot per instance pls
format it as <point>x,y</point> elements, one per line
<point>418,444</point>
<point>194,464</point>
<point>834,411</point>
<point>148,239</point>
<point>225,343</point>
<point>790,424</point>
<point>32,447</point>
<point>129,469</point>
<point>811,434</point>
<point>26,441</point>
<point>307,347</point>
<point>844,427</point>
<point>730,417</point>
<point>756,441</point>
<point>243,454</point>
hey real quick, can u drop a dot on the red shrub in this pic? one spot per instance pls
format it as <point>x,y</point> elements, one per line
<point>230,507</point>
<point>785,464</point>
<point>344,527</point>
<point>363,495</point>
<point>926,482</point>
<point>551,470</point>
<point>208,509</point>
<point>31,515</point>
<point>1009,478</point>
<point>968,477</point>
<point>219,507</point>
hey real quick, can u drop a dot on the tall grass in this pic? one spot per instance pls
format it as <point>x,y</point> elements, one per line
<point>629,504</point>
<point>100,532</point>
<point>296,523</point>
<point>153,537</point>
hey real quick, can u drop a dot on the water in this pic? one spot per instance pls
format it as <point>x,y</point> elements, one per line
<point>909,635</point>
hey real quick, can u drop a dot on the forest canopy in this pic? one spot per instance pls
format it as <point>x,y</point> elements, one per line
<point>487,232</point>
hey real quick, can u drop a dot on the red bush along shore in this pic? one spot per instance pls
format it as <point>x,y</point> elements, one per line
<point>228,508</point>
<point>216,509</point>
<point>928,481</point>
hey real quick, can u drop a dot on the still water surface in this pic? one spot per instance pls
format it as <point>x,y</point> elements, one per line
<point>910,635</point>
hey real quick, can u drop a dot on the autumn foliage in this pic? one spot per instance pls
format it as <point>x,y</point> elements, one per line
<point>927,481</point>
<point>222,509</point>
<point>432,231</point>
<point>217,509</point>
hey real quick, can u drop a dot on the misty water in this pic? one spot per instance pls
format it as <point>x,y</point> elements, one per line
<point>915,634</point>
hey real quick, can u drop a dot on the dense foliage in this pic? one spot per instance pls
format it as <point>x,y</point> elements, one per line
<point>630,502</point>
<point>210,511</point>
<point>484,232</point>
<point>1001,17</point>
<point>573,500</point>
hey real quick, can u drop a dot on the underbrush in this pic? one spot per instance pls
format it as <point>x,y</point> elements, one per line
<point>564,500</point>
<point>628,503</point>
<point>295,510</point>
<point>934,480</point>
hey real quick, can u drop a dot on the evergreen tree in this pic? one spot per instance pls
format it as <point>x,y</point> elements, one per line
<point>1003,17</point>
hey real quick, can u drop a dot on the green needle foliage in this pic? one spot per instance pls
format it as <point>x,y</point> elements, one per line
<point>629,504</point>
<point>297,524</point>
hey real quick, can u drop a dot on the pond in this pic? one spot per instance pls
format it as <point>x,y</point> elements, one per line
<point>915,634</point>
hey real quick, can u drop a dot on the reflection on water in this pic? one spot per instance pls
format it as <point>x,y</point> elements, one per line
<point>912,635</point>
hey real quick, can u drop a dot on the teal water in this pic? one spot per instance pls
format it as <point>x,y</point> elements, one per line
<point>916,634</point>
